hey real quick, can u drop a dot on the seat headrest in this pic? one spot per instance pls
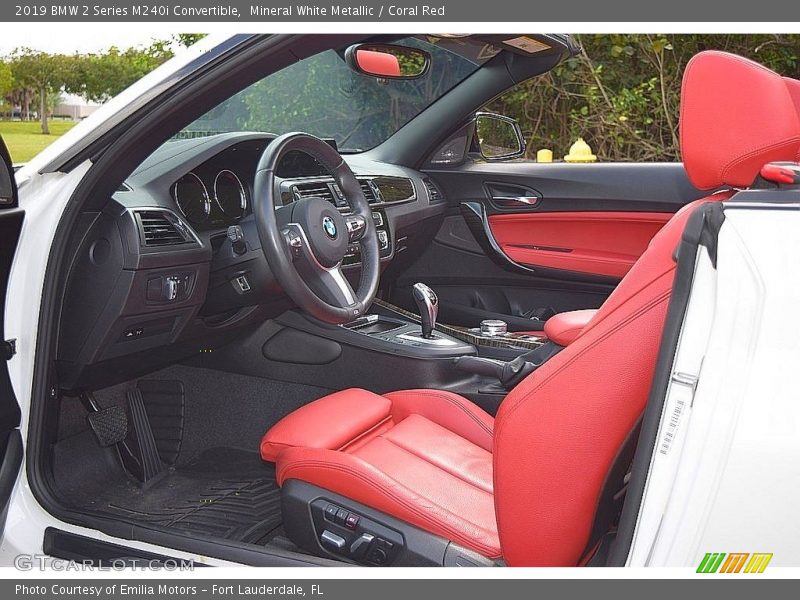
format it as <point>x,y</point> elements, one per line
<point>736,115</point>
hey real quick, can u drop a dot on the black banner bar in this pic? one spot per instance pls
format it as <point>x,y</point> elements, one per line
<point>395,589</point>
<point>270,11</point>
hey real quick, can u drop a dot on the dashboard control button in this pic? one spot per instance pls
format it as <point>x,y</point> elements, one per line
<point>330,512</point>
<point>241,284</point>
<point>351,522</point>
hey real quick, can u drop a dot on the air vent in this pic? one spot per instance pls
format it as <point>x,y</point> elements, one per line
<point>160,228</point>
<point>394,189</point>
<point>433,192</point>
<point>369,192</point>
<point>317,189</point>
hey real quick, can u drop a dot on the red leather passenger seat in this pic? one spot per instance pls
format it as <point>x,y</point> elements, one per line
<point>526,485</point>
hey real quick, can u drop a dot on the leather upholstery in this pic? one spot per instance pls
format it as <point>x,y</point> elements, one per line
<point>595,242</point>
<point>564,327</point>
<point>527,485</point>
<point>736,115</point>
<point>424,456</point>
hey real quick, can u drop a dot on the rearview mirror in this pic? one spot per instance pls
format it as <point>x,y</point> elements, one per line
<point>498,137</point>
<point>388,61</point>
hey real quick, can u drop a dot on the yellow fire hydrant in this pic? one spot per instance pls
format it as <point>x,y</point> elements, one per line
<point>580,152</point>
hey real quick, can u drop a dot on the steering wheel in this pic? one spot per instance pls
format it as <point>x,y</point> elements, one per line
<point>305,242</point>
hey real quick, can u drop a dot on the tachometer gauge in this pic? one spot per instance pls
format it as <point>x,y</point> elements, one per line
<point>230,194</point>
<point>192,198</point>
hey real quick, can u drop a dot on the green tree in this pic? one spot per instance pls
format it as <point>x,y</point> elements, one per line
<point>45,73</point>
<point>621,93</point>
<point>101,76</point>
<point>6,79</point>
<point>187,39</point>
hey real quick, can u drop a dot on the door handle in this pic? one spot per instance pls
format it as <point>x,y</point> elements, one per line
<point>515,201</point>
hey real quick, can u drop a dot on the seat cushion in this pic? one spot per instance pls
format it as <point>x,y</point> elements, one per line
<point>422,456</point>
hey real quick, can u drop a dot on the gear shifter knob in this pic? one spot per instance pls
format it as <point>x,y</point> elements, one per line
<point>427,306</point>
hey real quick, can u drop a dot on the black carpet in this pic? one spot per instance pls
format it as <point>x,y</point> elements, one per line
<point>218,486</point>
<point>226,492</point>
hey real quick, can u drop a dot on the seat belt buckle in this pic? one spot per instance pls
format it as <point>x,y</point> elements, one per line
<point>541,314</point>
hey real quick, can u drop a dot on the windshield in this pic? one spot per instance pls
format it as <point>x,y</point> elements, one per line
<point>321,95</point>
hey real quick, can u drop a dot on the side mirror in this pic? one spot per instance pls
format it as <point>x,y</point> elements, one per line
<point>498,137</point>
<point>388,61</point>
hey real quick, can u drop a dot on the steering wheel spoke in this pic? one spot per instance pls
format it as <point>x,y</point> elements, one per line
<point>333,286</point>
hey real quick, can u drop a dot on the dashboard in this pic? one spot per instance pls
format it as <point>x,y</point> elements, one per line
<point>180,244</point>
<point>218,192</point>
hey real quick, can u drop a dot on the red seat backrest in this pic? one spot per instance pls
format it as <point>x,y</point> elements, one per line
<point>558,433</point>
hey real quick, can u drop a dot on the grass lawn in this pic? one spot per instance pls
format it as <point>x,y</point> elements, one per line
<point>25,140</point>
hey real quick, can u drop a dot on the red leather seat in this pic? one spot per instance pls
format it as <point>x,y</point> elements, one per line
<point>526,485</point>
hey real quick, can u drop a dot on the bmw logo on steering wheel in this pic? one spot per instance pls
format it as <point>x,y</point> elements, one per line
<point>330,227</point>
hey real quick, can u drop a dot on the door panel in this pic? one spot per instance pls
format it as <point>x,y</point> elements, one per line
<point>10,440</point>
<point>600,243</point>
<point>522,236</point>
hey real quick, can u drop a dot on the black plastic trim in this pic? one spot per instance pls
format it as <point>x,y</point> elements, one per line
<point>418,548</point>
<point>101,554</point>
<point>12,452</point>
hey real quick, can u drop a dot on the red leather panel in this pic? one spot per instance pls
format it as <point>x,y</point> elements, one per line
<point>442,448</point>
<point>794,91</point>
<point>564,327</point>
<point>331,422</point>
<point>423,456</point>
<point>450,410</point>
<point>599,243</point>
<point>558,432</point>
<point>736,115</point>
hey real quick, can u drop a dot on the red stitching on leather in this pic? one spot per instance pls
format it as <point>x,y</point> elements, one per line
<point>644,310</point>
<point>363,435</point>
<point>448,471</point>
<point>451,399</point>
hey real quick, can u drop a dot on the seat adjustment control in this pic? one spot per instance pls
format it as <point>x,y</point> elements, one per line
<point>359,548</point>
<point>332,541</point>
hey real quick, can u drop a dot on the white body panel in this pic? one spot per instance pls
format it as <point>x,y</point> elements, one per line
<point>729,479</point>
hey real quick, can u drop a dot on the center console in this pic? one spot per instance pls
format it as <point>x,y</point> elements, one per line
<point>398,334</point>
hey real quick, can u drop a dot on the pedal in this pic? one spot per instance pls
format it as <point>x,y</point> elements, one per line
<point>109,425</point>
<point>148,457</point>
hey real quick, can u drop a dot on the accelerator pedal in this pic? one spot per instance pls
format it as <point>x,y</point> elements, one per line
<point>147,455</point>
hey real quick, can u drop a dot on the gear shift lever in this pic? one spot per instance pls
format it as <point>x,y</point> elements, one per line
<point>427,306</point>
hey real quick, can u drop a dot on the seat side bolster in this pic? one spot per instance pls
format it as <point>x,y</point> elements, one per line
<point>355,478</point>
<point>330,423</point>
<point>449,410</point>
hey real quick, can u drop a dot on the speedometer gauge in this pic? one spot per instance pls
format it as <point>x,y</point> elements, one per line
<point>230,195</point>
<point>191,196</point>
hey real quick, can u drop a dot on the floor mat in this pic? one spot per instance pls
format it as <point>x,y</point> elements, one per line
<point>225,492</point>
